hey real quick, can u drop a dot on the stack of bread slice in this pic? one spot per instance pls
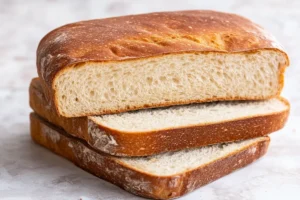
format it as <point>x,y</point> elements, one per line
<point>161,103</point>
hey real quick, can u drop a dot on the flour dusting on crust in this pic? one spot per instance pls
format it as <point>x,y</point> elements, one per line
<point>48,59</point>
<point>60,38</point>
<point>192,185</point>
<point>133,185</point>
<point>174,182</point>
<point>101,139</point>
<point>45,61</point>
<point>50,133</point>
<point>131,181</point>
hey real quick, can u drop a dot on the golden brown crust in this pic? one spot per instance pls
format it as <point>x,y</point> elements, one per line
<point>154,142</point>
<point>137,182</point>
<point>148,35</point>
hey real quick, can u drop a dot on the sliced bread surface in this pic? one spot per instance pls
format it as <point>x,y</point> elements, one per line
<point>189,115</point>
<point>163,176</point>
<point>154,131</point>
<point>119,64</point>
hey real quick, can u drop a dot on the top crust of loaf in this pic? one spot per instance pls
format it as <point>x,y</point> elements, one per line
<point>149,35</point>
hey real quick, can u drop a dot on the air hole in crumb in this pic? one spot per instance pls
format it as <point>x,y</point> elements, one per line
<point>176,80</point>
<point>63,97</point>
<point>162,78</point>
<point>98,75</point>
<point>92,93</point>
<point>270,64</point>
<point>149,80</point>
<point>106,95</point>
<point>153,62</point>
<point>192,58</point>
<point>270,84</point>
<point>76,99</point>
<point>185,64</point>
<point>127,73</point>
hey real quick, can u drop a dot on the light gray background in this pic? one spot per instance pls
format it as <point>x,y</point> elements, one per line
<point>28,171</point>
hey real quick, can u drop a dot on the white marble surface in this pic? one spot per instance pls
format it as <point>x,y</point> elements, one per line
<point>28,171</point>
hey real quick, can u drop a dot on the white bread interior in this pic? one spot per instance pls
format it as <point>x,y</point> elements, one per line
<point>172,163</point>
<point>110,87</point>
<point>188,115</point>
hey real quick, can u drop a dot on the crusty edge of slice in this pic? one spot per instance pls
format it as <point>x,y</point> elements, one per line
<point>135,181</point>
<point>153,142</point>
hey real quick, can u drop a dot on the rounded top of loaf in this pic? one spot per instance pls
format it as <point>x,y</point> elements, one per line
<point>149,35</point>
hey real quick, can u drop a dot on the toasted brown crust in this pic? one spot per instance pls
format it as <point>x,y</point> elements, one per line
<point>149,35</point>
<point>138,182</point>
<point>154,142</point>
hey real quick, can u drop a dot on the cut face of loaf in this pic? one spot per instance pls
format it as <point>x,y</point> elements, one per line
<point>163,176</point>
<point>189,115</point>
<point>167,80</point>
<point>120,64</point>
<point>152,131</point>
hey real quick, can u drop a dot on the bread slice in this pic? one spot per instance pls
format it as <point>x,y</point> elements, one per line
<point>153,131</point>
<point>119,64</point>
<point>163,176</point>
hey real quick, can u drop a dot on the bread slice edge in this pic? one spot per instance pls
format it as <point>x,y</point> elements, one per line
<point>120,143</point>
<point>136,181</point>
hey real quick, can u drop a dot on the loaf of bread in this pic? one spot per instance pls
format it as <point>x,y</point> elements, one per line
<point>119,64</point>
<point>154,131</point>
<point>163,176</point>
